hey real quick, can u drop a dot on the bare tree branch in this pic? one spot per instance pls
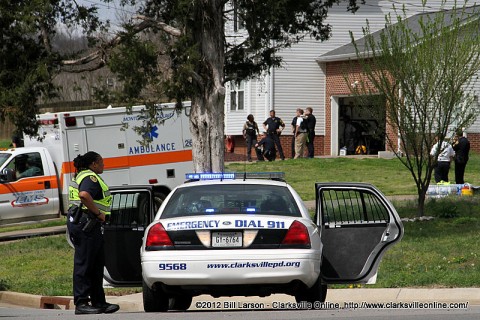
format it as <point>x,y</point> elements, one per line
<point>101,53</point>
<point>160,25</point>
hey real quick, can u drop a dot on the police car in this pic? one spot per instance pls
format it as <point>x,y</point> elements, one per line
<point>234,234</point>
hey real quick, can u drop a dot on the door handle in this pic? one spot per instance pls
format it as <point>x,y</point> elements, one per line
<point>47,185</point>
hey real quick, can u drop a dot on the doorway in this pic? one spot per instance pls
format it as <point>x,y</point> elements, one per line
<point>361,125</point>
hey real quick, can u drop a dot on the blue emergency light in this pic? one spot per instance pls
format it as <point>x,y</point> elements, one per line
<point>235,175</point>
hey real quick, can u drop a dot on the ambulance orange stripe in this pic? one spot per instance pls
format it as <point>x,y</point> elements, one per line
<point>138,160</point>
<point>28,184</point>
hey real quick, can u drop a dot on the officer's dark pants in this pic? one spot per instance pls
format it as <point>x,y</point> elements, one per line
<point>460,172</point>
<point>311,137</point>
<point>89,260</point>
<point>276,139</point>
<point>251,142</point>
<point>441,171</point>
<point>293,146</point>
<point>270,155</point>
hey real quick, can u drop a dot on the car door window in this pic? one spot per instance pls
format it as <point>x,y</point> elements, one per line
<point>357,223</point>
<point>351,207</point>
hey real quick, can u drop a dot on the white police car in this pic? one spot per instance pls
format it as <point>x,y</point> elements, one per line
<point>228,235</point>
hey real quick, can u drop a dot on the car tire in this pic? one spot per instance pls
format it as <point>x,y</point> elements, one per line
<point>317,293</point>
<point>154,300</point>
<point>180,303</point>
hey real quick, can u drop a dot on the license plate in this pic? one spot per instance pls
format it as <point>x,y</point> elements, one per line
<point>226,239</point>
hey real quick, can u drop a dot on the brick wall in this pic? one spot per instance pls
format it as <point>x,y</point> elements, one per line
<point>240,150</point>
<point>336,85</point>
<point>474,139</point>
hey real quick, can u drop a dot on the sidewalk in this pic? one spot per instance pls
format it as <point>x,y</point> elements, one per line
<point>20,234</point>
<point>340,297</point>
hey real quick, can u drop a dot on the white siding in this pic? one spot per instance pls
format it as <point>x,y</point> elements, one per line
<point>301,81</point>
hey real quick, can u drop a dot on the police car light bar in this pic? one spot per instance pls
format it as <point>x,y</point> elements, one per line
<point>235,175</point>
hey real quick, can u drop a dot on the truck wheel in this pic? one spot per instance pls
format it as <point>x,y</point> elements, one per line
<point>158,198</point>
<point>154,300</point>
<point>181,303</point>
<point>318,292</point>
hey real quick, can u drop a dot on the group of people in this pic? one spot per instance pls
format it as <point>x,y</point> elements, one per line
<point>458,152</point>
<point>268,142</point>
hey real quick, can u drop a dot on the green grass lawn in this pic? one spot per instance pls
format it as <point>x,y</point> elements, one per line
<point>390,176</point>
<point>4,143</point>
<point>439,253</point>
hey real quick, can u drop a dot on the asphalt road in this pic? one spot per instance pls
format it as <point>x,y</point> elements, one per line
<point>424,314</point>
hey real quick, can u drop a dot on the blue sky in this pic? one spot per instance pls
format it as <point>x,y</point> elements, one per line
<point>107,11</point>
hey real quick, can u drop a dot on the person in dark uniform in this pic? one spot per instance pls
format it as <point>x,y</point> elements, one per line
<point>250,130</point>
<point>274,126</point>
<point>90,202</point>
<point>461,146</point>
<point>268,145</point>
<point>311,123</point>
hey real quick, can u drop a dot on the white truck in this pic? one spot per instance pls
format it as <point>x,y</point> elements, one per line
<point>34,179</point>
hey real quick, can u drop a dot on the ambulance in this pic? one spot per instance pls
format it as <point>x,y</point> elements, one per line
<point>34,179</point>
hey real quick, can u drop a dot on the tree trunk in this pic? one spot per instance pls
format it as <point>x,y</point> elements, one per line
<point>207,117</point>
<point>421,202</point>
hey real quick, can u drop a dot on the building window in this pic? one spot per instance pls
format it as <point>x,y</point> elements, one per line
<point>237,96</point>
<point>238,23</point>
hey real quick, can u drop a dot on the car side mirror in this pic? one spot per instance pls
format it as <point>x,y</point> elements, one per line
<point>7,175</point>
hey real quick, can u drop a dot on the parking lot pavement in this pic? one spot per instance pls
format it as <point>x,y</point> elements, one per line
<point>336,298</point>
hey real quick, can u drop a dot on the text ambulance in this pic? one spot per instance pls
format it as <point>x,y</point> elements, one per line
<point>34,179</point>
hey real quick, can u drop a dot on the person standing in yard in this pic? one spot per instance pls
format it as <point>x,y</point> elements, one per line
<point>274,126</point>
<point>311,123</point>
<point>300,135</point>
<point>461,146</point>
<point>250,131</point>
<point>294,128</point>
<point>89,200</point>
<point>445,156</point>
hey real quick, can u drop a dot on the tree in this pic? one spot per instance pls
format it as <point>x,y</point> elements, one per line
<point>172,48</point>
<point>424,69</point>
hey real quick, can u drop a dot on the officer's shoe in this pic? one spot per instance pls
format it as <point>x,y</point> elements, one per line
<point>107,307</point>
<point>85,308</point>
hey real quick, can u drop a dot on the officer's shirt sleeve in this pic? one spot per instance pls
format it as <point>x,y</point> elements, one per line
<point>91,185</point>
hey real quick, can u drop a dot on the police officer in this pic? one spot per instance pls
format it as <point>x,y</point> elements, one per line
<point>90,202</point>
<point>274,126</point>
<point>267,145</point>
<point>250,130</point>
<point>311,123</point>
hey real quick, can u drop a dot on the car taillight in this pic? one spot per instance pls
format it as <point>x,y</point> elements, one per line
<point>297,234</point>
<point>157,236</point>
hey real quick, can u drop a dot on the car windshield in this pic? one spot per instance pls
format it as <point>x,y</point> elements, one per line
<point>231,199</point>
<point>4,157</point>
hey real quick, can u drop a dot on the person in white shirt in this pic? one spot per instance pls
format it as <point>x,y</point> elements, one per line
<point>300,135</point>
<point>445,156</point>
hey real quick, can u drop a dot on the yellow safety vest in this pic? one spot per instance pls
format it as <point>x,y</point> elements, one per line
<point>103,204</point>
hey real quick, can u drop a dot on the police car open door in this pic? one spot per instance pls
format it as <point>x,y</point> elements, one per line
<point>358,224</point>
<point>131,212</point>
